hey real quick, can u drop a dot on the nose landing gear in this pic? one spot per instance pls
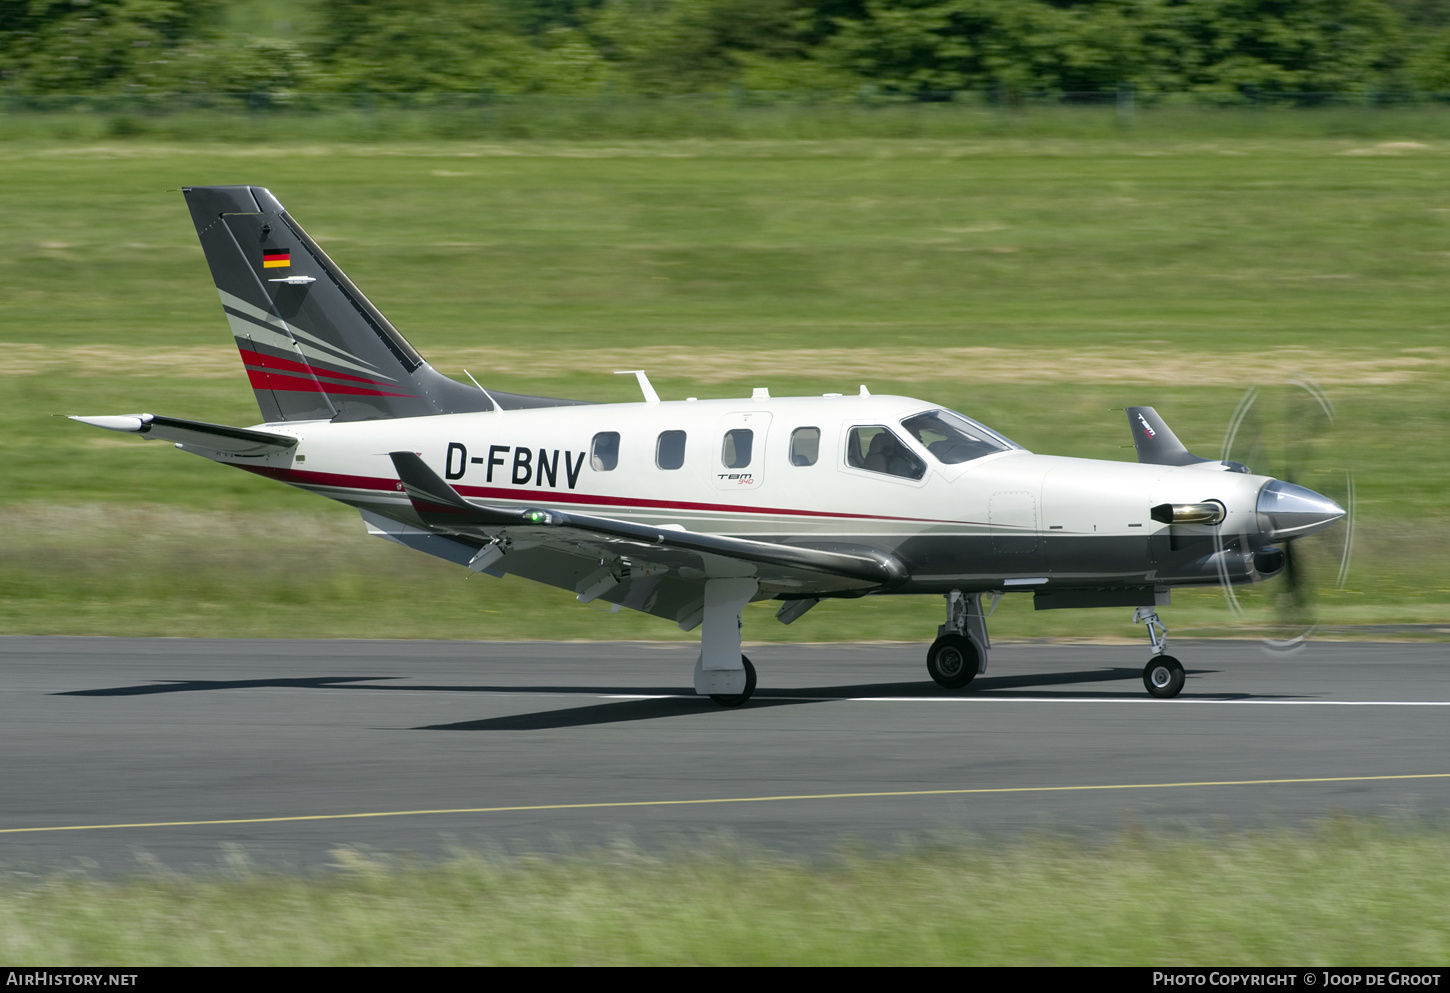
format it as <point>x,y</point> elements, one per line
<point>1163,675</point>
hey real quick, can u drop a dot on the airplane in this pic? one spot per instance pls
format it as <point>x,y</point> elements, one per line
<point>690,509</point>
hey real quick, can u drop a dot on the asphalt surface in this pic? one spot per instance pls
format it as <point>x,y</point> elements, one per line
<point>538,747</point>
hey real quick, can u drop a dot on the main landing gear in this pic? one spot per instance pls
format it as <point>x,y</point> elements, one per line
<point>1163,675</point>
<point>960,650</point>
<point>722,673</point>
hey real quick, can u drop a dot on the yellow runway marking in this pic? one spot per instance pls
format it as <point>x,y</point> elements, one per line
<point>730,799</point>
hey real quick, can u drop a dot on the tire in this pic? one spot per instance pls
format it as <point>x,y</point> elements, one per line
<point>736,699</point>
<point>1163,677</point>
<point>952,661</point>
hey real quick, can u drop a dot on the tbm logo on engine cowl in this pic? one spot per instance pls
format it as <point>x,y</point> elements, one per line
<point>525,465</point>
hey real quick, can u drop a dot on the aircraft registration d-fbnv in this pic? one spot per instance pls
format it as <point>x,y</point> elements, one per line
<point>689,510</point>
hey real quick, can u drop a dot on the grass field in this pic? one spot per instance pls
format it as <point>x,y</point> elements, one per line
<point>1035,283</point>
<point>1350,893</point>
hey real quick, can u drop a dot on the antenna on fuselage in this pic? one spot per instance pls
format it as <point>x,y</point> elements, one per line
<point>650,396</point>
<point>497,408</point>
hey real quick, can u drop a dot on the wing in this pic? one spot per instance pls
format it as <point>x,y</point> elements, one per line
<point>660,571</point>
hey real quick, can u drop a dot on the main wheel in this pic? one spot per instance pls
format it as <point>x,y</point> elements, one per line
<point>736,699</point>
<point>952,661</point>
<point>1163,676</point>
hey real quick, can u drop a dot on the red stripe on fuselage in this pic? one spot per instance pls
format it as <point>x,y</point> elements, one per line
<point>304,477</point>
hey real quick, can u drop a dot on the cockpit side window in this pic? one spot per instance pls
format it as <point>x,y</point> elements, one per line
<point>873,447</point>
<point>952,438</point>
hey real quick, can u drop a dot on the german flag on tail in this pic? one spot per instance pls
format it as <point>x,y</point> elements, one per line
<point>276,258</point>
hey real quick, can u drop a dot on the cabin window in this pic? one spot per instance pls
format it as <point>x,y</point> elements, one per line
<point>952,438</point>
<point>670,450</point>
<point>735,453</point>
<point>604,452</point>
<point>805,446</point>
<point>874,448</point>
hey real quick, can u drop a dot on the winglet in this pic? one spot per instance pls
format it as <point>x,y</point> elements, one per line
<point>439,504</point>
<point>1155,442</point>
<point>434,500</point>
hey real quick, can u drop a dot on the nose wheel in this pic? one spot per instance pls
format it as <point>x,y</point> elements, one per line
<point>1163,676</point>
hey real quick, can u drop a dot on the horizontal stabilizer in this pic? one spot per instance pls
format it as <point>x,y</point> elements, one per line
<point>213,437</point>
<point>441,506</point>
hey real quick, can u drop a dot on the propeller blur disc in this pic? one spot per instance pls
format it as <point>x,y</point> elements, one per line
<point>1288,432</point>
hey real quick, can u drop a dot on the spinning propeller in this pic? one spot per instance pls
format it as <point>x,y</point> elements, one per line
<point>1288,432</point>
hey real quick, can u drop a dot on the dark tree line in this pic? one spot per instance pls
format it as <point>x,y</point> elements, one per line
<point>1221,49</point>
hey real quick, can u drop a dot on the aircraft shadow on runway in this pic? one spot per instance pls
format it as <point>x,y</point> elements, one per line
<point>682,702</point>
<point>913,688</point>
<point>675,701</point>
<point>199,685</point>
<point>614,712</point>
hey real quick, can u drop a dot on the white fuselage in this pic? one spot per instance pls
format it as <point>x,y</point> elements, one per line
<point>1010,517</point>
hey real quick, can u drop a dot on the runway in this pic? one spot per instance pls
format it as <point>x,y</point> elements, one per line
<point>123,752</point>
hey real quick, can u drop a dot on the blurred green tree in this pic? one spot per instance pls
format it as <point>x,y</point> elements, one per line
<point>688,46</point>
<point>537,18</point>
<point>1227,48</point>
<point>270,68</point>
<point>919,46</point>
<point>1427,44</point>
<point>85,46</point>
<point>1296,48</point>
<point>429,46</point>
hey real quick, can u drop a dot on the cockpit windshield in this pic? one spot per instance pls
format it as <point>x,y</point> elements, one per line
<point>952,438</point>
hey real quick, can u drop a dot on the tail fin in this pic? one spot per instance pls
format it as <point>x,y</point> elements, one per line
<point>314,347</point>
